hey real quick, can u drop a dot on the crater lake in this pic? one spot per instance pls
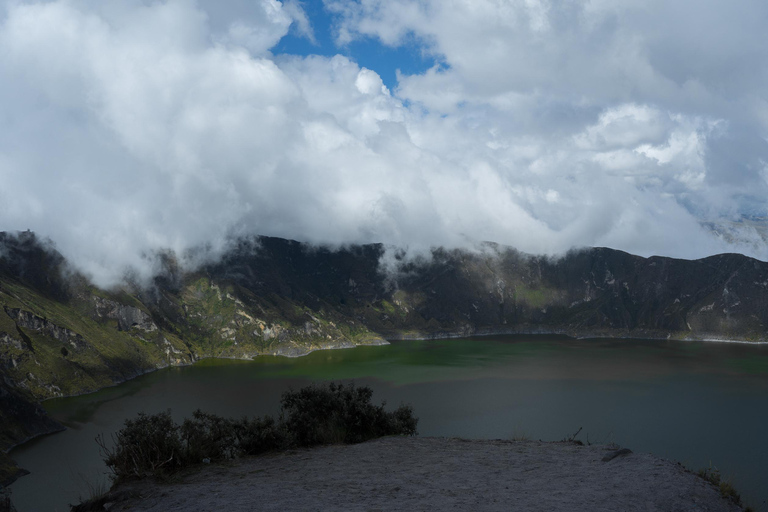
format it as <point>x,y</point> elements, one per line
<point>704,404</point>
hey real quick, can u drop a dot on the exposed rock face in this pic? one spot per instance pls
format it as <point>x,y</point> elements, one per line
<point>7,339</point>
<point>31,321</point>
<point>128,317</point>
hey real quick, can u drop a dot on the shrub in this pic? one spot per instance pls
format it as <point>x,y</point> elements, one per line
<point>712,475</point>
<point>335,413</point>
<point>317,414</point>
<point>145,446</point>
<point>403,422</point>
<point>261,435</point>
<point>208,436</point>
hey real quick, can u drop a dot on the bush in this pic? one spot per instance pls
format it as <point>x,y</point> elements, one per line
<point>314,415</point>
<point>207,436</point>
<point>262,435</point>
<point>335,413</point>
<point>403,422</point>
<point>145,446</point>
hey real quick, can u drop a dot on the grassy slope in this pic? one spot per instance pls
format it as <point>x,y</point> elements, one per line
<point>215,322</point>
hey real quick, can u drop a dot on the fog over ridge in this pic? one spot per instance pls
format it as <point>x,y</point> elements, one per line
<point>130,127</point>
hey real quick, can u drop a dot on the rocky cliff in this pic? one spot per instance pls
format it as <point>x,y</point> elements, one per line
<point>59,335</point>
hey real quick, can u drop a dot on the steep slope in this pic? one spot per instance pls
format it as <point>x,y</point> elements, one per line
<point>497,289</point>
<point>59,335</point>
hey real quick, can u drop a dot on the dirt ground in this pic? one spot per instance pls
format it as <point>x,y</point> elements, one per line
<point>439,474</point>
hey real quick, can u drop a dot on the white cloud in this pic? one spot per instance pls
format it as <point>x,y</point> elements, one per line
<point>678,83</point>
<point>130,127</point>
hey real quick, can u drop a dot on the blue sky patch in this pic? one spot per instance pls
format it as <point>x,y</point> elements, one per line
<point>366,52</point>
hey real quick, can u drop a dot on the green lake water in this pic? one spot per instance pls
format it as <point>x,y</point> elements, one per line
<point>699,403</point>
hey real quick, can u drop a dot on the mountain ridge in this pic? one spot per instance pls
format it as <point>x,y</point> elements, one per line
<point>60,335</point>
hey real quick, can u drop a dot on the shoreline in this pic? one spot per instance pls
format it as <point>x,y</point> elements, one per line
<point>649,336</point>
<point>387,340</point>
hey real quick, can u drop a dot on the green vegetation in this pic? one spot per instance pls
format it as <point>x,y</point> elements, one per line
<point>154,445</point>
<point>388,307</point>
<point>101,354</point>
<point>335,413</point>
<point>8,470</point>
<point>712,475</point>
<point>538,297</point>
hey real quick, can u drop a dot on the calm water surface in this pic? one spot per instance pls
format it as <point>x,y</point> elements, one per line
<point>695,402</point>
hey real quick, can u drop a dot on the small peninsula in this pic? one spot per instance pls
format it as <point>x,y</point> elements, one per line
<point>396,473</point>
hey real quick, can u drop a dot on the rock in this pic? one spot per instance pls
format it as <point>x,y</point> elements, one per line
<point>617,453</point>
<point>128,317</point>
<point>6,505</point>
<point>31,321</point>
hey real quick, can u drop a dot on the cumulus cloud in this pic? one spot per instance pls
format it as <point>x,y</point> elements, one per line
<point>665,96</point>
<point>132,127</point>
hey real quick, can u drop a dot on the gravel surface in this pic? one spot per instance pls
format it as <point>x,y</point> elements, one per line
<point>433,474</point>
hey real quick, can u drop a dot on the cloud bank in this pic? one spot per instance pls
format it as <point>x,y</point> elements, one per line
<point>130,127</point>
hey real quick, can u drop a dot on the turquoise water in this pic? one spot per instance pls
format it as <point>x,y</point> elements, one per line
<point>695,402</point>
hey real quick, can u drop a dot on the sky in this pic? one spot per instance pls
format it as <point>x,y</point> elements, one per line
<point>133,127</point>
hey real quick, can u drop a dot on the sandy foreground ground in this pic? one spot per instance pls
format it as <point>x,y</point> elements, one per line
<point>433,474</point>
